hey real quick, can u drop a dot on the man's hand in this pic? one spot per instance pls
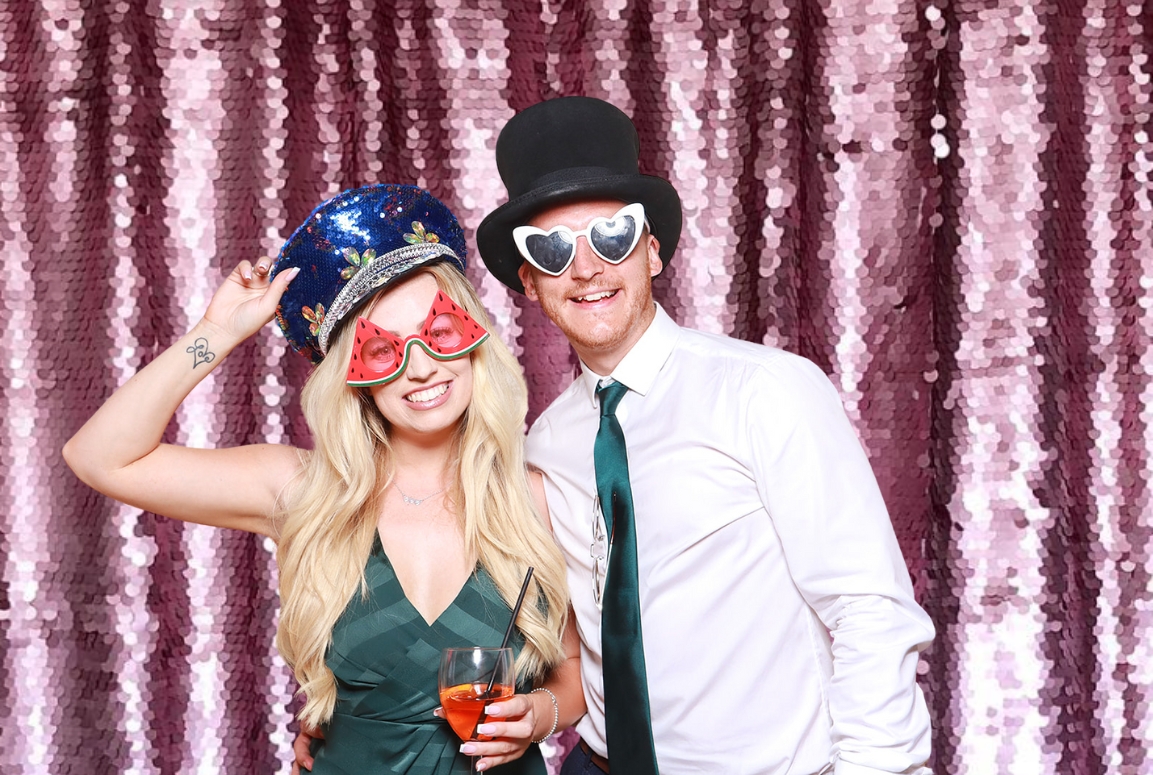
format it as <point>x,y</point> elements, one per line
<point>301,748</point>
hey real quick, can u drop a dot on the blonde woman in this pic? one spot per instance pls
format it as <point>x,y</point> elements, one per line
<point>410,525</point>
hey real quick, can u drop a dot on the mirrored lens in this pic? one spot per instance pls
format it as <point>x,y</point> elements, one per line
<point>446,331</point>
<point>614,239</point>
<point>551,251</point>
<point>379,355</point>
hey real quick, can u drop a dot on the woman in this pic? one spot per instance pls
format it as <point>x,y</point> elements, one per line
<point>409,526</point>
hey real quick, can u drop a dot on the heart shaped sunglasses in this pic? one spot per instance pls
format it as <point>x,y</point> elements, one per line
<point>553,251</point>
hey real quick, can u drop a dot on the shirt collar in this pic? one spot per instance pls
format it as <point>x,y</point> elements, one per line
<point>639,368</point>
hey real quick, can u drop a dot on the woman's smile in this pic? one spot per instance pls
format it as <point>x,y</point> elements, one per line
<point>427,398</point>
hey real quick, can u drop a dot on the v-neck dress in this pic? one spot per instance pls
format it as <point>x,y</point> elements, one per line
<point>385,657</point>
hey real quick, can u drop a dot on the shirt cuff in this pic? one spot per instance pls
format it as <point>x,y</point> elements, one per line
<point>848,768</point>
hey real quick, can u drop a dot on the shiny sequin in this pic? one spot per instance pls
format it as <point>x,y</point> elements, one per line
<point>944,203</point>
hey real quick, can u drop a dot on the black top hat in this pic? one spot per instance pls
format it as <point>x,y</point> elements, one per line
<point>566,150</point>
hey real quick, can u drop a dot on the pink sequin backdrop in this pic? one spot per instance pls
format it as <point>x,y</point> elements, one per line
<point>944,203</point>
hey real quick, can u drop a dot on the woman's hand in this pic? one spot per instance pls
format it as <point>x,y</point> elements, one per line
<point>511,723</point>
<point>247,299</point>
<point>302,748</point>
<point>514,723</point>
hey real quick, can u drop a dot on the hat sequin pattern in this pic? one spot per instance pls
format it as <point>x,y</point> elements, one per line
<point>353,245</point>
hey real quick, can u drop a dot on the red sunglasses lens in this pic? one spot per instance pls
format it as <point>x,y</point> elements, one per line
<point>379,355</point>
<point>446,332</point>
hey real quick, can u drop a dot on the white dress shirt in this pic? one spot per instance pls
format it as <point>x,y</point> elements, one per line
<point>780,630</point>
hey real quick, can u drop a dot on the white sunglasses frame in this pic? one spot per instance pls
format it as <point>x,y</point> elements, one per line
<point>636,211</point>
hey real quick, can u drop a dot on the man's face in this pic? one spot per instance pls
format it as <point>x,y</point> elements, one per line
<point>602,308</point>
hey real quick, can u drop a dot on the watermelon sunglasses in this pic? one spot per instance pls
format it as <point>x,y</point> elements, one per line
<point>378,357</point>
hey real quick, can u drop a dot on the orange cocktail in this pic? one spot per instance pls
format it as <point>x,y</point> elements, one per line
<point>464,706</point>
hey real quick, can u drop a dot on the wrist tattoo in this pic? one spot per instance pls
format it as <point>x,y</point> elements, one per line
<point>200,352</point>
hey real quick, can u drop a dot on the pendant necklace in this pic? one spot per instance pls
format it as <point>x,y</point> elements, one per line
<point>411,501</point>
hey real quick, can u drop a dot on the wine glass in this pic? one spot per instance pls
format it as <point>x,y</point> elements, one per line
<point>468,680</point>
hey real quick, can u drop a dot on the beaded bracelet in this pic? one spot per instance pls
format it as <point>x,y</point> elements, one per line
<point>555,713</point>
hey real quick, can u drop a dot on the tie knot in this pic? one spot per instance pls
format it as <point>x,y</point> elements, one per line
<point>610,396</point>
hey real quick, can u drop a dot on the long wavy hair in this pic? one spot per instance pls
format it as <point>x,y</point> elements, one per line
<point>329,519</point>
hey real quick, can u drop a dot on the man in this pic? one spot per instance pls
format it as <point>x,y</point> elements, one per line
<point>742,603</point>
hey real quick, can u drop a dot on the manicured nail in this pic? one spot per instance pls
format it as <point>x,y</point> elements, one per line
<point>293,272</point>
<point>468,749</point>
<point>486,729</point>
<point>492,710</point>
<point>481,766</point>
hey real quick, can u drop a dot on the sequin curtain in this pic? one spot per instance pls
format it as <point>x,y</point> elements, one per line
<point>945,204</point>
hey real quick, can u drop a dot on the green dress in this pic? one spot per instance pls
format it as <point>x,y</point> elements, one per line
<point>385,658</point>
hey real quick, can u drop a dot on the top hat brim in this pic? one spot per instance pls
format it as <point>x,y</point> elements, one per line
<point>494,235</point>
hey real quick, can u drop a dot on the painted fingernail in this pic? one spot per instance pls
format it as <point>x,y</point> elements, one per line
<point>486,729</point>
<point>481,766</point>
<point>468,748</point>
<point>293,272</point>
<point>492,710</point>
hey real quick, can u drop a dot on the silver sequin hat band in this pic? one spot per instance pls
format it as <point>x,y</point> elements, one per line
<point>381,271</point>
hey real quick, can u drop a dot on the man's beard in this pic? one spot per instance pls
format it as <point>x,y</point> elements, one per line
<point>598,337</point>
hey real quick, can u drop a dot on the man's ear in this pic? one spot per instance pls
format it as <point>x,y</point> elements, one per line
<point>655,263</point>
<point>525,275</point>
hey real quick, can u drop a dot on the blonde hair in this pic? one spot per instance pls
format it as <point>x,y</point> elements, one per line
<point>328,526</point>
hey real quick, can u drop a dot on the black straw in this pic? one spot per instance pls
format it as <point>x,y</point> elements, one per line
<point>511,623</point>
<point>516,608</point>
<point>504,643</point>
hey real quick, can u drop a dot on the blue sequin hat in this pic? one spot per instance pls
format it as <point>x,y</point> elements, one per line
<point>352,246</point>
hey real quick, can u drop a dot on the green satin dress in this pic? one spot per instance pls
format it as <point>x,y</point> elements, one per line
<point>385,658</point>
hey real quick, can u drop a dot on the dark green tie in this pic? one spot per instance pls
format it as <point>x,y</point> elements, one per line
<point>627,726</point>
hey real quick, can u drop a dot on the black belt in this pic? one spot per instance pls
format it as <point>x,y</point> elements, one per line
<point>600,762</point>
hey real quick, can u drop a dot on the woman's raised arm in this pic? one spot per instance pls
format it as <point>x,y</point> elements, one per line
<point>118,452</point>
